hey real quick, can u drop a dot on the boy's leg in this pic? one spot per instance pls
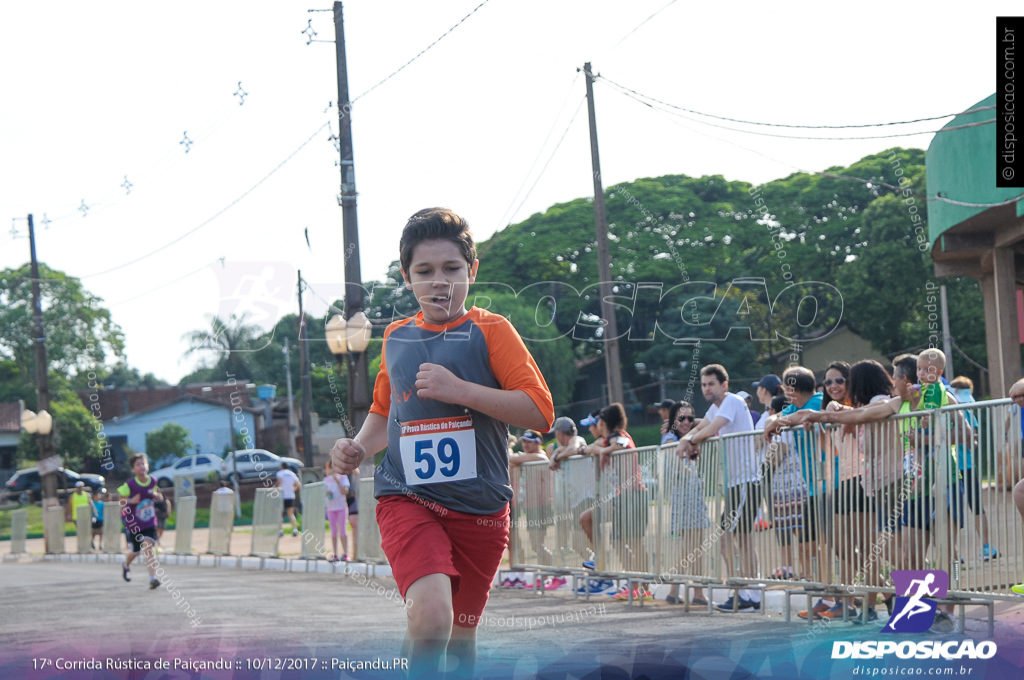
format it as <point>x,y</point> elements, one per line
<point>461,659</point>
<point>430,616</point>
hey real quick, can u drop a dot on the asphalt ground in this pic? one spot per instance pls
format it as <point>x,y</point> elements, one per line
<point>63,617</point>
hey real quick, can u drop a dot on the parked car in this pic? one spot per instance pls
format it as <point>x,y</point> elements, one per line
<point>26,486</point>
<point>257,464</point>
<point>200,466</point>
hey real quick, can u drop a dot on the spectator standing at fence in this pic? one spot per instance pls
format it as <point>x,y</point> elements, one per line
<point>289,484</point>
<point>963,389</point>
<point>663,410</point>
<point>800,387</point>
<point>783,477</point>
<point>337,487</point>
<point>353,515</point>
<point>689,513</point>
<point>443,505</point>
<point>590,422</point>
<point>533,493</point>
<point>1016,392</point>
<point>567,443</point>
<point>139,515</point>
<point>728,414</point>
<point>97,521</point>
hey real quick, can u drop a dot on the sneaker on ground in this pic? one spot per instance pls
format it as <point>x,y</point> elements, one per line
<point>595,587</point>
<point>588,564</point>
<point>295,532</point>
<point>836,612</point>
<point>280,533</point>
<point>737,603</point>
<point>818,608</point>
<point>988,554</point>
<point>154,584</point>
<point>637,594</point>
<point>554,582</point>
<point>872,616</point>
<point>124,572</point>
<point>1018,589</point>
<point>943,624</point>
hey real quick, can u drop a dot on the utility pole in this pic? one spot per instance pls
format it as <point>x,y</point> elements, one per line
<point>291,415</point>
<point>359,370</point>
<point>612,365</point>
<point>48,483</point>
<point>307,385</point>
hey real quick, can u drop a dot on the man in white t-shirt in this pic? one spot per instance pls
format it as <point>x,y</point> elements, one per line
<point>728,414</point>
<point>289,483</point>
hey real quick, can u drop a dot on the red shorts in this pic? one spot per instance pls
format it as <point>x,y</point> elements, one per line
<point>424,538</point>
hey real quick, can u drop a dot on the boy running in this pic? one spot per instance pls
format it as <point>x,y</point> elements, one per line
<point>450,383</point>
<point>139,515</point>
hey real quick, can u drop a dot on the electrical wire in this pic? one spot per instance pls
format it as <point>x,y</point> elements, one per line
<point>641,24</point>
<point>169,283</point>
<point>785,125</point>
<point>420,53</point>
<point>217,214</point>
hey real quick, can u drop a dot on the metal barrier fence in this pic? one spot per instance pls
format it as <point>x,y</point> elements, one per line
<point>314,510</point>
<point>830,508</point>
<point>222,521</point>
<point>19,531</point>
<point>184,524</point>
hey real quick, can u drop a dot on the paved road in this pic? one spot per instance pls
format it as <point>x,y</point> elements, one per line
<point>82,611</point>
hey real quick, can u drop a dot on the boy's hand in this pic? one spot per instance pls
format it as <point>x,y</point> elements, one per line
<point>346,455</point>
<point>436,382</point>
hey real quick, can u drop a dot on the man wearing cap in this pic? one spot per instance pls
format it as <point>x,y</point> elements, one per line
<point>79,499</point>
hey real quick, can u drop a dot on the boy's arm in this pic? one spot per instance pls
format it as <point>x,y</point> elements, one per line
<point>347,454</point>
<point>858,416</point>
<point>514,407</point>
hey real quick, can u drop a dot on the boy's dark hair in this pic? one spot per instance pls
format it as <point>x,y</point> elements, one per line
<point>778,403</point>
<point>134,457</point>
<point>800,379</point>
<point>614,416</point>
<point>906,364</point>
<point>717,370</point>
<point>435,224</point>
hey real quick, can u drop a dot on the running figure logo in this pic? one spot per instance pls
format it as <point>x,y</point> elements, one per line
<point>914,611</point>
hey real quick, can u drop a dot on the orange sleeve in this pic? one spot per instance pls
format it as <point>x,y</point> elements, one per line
<point>382,387</point>
<point>513,365</point>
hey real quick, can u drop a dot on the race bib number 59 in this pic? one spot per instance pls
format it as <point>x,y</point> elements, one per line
<point>438,450</point>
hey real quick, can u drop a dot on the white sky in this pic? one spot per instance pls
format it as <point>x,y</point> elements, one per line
<point>94,92</point>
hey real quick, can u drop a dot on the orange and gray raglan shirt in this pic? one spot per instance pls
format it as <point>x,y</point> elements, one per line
<point>446,453</point>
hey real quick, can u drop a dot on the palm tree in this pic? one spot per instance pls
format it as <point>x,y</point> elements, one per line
<point>233,341</point>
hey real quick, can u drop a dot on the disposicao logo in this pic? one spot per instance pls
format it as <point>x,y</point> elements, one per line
<point>914,611</point>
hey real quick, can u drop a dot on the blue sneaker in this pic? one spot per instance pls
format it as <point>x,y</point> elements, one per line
<point>595,587</point>
<point>988,553</point>
<point>872,616</point>
<point>589,564</point>
<point>737,603</point>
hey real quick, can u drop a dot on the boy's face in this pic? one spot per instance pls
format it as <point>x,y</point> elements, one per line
<point>439,277</point>
<point>929,370</point>
<point>140,467</point>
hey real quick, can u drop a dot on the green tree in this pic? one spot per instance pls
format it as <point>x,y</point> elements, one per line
<point>231,343</point>
<point>170,439</point>
<point>74,435</point>
<point>80,332</point>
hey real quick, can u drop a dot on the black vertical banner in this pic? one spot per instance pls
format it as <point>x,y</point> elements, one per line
<point>1009,134</point>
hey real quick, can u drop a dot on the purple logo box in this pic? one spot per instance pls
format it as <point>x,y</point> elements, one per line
<point>914,604</point>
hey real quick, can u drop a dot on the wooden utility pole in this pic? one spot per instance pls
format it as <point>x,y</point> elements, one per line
<point>358,378</point>
<point>48,482</point>
<point>306,383</point>
<point>612,365</point>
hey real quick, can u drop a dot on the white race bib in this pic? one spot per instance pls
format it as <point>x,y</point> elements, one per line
<point>438,450</point>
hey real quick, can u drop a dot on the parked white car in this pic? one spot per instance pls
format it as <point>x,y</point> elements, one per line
<point>203,467</point>
<point>257,464</point>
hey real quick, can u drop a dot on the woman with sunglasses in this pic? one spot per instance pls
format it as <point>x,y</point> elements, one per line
<point>689,518</point>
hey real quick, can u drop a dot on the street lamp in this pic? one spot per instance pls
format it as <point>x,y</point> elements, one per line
<point>348,341</point>
<point>41,425</point>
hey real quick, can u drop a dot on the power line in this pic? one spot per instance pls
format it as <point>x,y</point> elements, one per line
<point>217,214</point>
<point>169,283</point>
<point>420,53</point>
<point>641,24</point>
<point>786,125</point>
